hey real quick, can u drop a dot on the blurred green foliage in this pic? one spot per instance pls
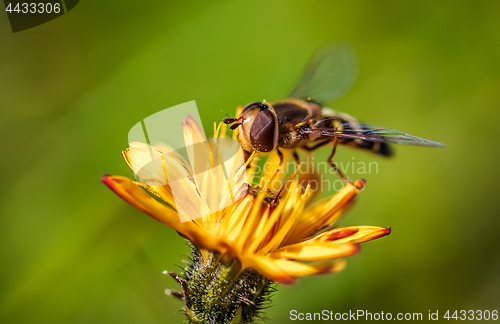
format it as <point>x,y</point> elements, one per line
<point>73,252</point>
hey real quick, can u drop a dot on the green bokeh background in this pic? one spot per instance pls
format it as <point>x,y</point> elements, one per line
<point>73,252</point>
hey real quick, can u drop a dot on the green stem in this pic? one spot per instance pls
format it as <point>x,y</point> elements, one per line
<point>220,291</point>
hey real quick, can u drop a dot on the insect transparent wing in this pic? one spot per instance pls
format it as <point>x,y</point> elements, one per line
<point>372,134</point>
<point>329,74</point>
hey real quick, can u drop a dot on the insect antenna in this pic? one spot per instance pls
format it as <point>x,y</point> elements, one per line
<point>234,121</point>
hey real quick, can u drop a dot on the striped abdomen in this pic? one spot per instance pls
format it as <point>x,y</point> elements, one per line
<point>349,122</point>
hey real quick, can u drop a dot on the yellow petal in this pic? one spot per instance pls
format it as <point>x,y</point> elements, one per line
<point>196,145</point>
<point>187,197</point>
<point>289,215</point>
<point>252,224</point>
<point>134,195</point>
<point>147,163</point>
<point>266,226</point>
<point>138,154</point>
<point>297,269</point>
<point>192,131</point>
<point>316,251</point>
<point>233,215</point>
<point>286,271</point>
<point>334,234</point>
<point>364,233</point>
<point>145,160</point>
<point>267,267</point>
<point>162,192</point>
<point>323,213</point>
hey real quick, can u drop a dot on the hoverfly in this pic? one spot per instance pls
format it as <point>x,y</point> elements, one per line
<point>301,122</point>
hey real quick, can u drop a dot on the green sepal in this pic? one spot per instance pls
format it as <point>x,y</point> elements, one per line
<point>218,290</point>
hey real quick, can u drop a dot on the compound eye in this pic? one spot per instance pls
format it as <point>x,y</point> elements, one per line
<point>263,131</point>
<point>257,104</point>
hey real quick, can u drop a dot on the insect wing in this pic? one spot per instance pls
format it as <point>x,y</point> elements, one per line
<point>329,74</point>
<point>372,134</point>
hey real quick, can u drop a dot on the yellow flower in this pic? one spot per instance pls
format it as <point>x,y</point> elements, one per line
<point>281,239</point>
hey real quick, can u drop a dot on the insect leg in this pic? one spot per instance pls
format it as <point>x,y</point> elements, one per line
<point>299,164</point>
<point>335,166</point>
<point>307,148</point>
